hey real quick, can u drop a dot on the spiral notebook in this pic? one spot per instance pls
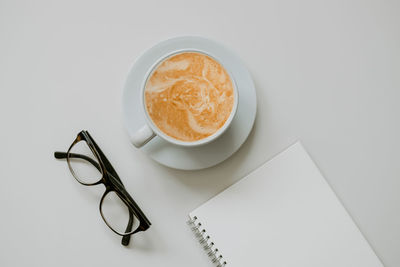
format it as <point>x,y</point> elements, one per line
<point>284,214</point>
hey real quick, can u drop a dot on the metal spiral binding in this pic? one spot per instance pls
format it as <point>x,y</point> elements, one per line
<point>205,240</point>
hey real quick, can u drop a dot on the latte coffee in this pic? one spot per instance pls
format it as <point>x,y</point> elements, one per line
<point>189,96</point>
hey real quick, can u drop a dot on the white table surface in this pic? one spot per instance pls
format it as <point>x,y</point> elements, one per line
<point>326,72</point>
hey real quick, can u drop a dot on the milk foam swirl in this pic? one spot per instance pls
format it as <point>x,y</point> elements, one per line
<point>189,96</point>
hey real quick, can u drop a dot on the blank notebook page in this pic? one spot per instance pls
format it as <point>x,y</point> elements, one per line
<point>284,214</point>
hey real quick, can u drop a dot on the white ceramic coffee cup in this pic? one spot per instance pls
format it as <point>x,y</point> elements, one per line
<point>149,130</point>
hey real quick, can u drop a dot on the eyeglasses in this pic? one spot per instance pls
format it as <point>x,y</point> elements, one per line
<point>89,166</point>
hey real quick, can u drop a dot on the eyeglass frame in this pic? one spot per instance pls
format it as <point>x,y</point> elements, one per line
<point>110,180</point>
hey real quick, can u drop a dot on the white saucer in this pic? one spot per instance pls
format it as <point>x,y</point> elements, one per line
<point>196,157</point>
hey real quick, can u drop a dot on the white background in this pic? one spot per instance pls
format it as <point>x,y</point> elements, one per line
<point>326,72</point>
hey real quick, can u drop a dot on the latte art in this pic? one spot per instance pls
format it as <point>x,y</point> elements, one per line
<point>189,96</point>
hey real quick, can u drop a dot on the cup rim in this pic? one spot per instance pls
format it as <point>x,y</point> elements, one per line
<point>170,139</point>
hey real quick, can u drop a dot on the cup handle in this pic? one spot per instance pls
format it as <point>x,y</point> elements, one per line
<point>142,136</point>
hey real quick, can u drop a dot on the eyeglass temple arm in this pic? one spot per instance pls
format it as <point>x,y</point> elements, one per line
<point>127,197</point>
<point>125,239</point>
<point>63,155</point>
<point>104,159</point>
